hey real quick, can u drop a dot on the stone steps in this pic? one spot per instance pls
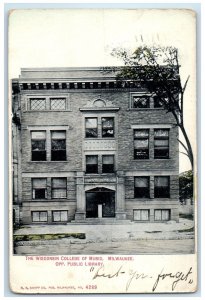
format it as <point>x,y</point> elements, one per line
<point>101,221</point>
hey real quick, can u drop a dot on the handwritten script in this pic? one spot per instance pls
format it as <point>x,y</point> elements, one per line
<point>131,276</point>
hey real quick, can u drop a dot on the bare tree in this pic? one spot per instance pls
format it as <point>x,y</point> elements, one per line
<point>157,70</point>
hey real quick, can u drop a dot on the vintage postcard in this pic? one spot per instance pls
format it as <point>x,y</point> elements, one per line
<point>102,106</point>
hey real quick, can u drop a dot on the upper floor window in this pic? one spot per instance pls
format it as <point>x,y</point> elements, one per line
<point>140,101</point>
<point>141,144</point>
<point>39,188</point>
<point>38,145</point>
<point>92,164</point>
<point>161,143</point>
<point>37,103</point>
<point>57,103</point>
<point>161,187</point>
<point>107,163</point>
<point>142,187</point>
<point>107,127</point>
<point>58,145</point>
<point>58,188</point>
<point>102,128</point>
<point>91,129</point>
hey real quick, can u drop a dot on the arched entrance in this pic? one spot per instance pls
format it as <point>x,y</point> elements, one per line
<point>100,203</point>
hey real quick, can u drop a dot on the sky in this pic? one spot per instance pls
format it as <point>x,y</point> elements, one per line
<point>85,37</point>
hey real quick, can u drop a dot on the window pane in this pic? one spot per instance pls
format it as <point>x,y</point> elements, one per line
<point>64,216</point>
<point>157,215</point>
<point>43,216</point>
<point>91,122</point>
<point>35,216</point>
<point>161,132</point>
<point>161,181</point>
<point>56,216</point>
<point>58,135</point>
<point>145,214</point>
<point>108,159</point>
<point>38,135</point>
<point>137,215</point>
<point>38,145</point>
<point>38,104</point>
<point>59,193</point>
<point>39,182</point>
<point>59,182</point>
<point>141,133</point>
<point>141,144</point>
<point>58,103</point>
<point>107,127</point>
<point>140,102</point>
<point>91,160</point>
<point>141,181</point>
<point>165,214</point>
<point>161,143</point>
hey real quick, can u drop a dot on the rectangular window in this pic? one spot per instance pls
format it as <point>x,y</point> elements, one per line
<point>38,145</point>
<point>59,188</point>
<point>141,144</point>
<point>60,216</point>
<point>161,187</point>
<point>57,103</point>
<point>92,164</point>
<point>108,163</point>
<point>39,216</point>
<point>39,188</point>
<point>91,130</point>
<point>162,214</point>
<point>140,101</point>
<point>161,143</point>
<point>142,187</point>
<point>107,127</point>
<point>58,145</point>
<point>37,103</point>
<point>141,214</point>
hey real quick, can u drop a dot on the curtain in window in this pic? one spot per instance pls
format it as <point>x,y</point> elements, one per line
<point>91,160</point>
<point>161,132</point>
<point>38,135</point>
<point>141,133</point>
<point>91,122</point>
<point>39,183</point>
<point>161,181</point>
<point>157,215</point>
<point>108,159</point>
<point>58,135</point>
<point>141,181</point>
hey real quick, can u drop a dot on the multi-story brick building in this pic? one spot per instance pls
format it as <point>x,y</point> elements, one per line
<point>86,146</point>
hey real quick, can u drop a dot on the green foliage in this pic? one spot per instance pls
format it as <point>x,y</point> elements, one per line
<point>186,186</point>
<point>55,236</point>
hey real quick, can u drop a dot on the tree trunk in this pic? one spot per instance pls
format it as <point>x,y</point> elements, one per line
<point>190,153</point>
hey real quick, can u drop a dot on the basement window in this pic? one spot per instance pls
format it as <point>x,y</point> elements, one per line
<point>58,145</point>
<point>39,189</point>
<point>59,188</point>
<point>38,146</point>
<point>162,214</point>
<point>60,216</point>
<point>161,187</point>
<point>142,187</point>
<point>141,214</point>
<point>39,216</point>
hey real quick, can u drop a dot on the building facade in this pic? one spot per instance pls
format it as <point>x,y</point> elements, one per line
<point>86,146</point>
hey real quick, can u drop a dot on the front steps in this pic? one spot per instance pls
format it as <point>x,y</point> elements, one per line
<point>101,221</point>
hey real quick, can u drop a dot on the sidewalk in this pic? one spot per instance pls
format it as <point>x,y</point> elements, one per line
<point>131,231</point>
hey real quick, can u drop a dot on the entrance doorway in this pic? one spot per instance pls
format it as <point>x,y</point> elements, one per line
<point>100,203</point>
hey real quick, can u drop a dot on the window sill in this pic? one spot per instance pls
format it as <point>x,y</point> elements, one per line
<point>147,108</point>
<point>37,111</point>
